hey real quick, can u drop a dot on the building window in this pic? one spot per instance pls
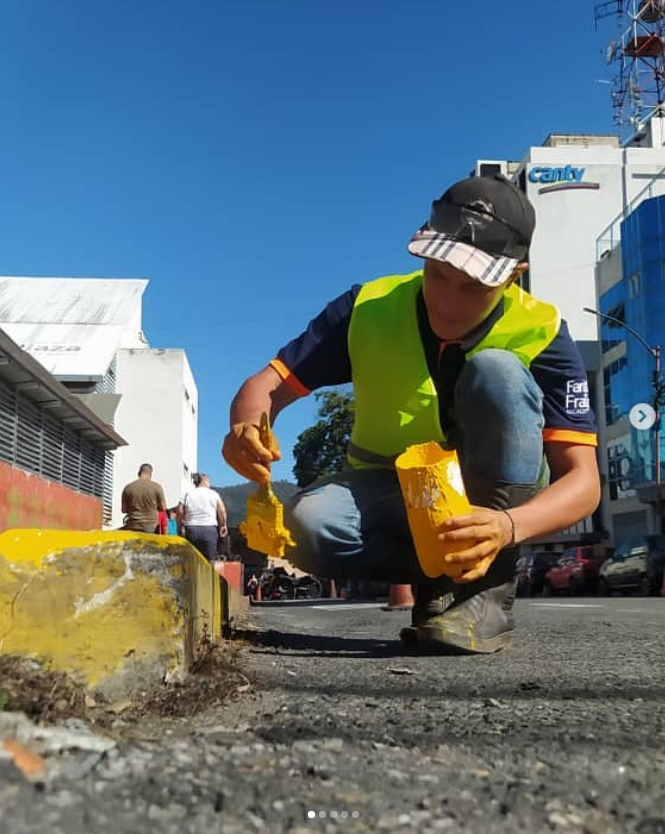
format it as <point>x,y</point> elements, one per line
<point>624,468</point>
<point>32,440</point>
<point>617,312</point>
<point>612,333</point>
<point>615,382</point>
<point>635,285</point>
<point>612,413</point>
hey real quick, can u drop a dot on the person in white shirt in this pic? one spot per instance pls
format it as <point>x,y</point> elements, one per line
<point>203,515</point>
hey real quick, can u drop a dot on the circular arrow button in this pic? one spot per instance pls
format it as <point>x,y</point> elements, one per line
<point>642,416</point>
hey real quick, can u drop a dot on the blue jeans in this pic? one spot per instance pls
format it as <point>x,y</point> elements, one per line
<point>354,524</point>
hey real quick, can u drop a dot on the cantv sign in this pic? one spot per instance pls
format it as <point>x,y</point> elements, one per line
<point>560,179</point>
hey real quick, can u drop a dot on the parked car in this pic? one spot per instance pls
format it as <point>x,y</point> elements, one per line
<point>577,571</point>
<point>531,570</point>
<point>636,566</point>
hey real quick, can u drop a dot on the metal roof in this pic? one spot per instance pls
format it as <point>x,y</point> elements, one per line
<point>73,326</point>
<point>35,383</point>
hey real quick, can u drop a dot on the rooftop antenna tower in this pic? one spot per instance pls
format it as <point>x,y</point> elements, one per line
<point>637,58</point>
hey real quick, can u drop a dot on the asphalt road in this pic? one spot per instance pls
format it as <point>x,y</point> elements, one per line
<point>342,733</point>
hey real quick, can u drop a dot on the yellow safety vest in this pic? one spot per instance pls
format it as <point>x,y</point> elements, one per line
<point>396,402</point>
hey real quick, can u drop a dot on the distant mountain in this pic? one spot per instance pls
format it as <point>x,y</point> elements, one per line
<point>235,498</point>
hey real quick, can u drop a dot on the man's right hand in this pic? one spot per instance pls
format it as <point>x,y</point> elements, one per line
<point>243,450</point>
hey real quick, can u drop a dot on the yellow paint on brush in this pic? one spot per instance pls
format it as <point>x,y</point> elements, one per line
<point>122,610</point>
<point>264,527</point>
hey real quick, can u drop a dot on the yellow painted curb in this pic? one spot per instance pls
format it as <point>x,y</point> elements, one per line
<point>122,611</point>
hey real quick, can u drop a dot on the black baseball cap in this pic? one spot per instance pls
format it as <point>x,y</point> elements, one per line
<point>481,225</point>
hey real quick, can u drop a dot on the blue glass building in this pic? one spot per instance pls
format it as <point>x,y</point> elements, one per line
<point>638,301</point>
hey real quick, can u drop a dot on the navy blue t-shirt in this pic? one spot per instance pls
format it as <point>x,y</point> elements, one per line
<point>320,357</point>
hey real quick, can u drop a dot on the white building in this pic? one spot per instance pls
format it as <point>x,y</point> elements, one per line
<point>87,332</point>
<point>159,412</point>
<point>579,184</point>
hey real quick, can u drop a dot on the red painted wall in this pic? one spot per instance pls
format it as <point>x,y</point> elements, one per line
<point>27,500</point>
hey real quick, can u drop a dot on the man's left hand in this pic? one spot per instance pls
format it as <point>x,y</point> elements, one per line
<point>480,535</point>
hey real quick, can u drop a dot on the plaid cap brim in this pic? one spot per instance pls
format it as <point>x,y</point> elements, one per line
<point>491,271</point>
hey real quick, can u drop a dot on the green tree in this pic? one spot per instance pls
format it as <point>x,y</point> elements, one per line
<point>321,449</point>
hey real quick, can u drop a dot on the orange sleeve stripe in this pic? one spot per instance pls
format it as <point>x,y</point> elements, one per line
<point>292,381</point>
<point>569,436</point>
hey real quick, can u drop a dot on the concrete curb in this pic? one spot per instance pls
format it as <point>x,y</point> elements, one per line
<point>121,611</point>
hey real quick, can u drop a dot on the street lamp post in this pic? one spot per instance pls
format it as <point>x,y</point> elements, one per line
<point>657,385</point>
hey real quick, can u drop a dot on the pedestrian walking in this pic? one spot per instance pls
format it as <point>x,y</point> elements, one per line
<point>458,353</point>
<point>203,515</point>
<point>172,527</point>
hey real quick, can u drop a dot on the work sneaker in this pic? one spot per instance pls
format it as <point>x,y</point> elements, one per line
<point>430,602</point>
<point>478,624</point>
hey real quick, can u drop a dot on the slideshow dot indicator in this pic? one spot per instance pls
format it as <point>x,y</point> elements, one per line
<point>333,814</point>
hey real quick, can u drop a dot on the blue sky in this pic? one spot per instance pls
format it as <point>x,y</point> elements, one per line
<point>253,159</point>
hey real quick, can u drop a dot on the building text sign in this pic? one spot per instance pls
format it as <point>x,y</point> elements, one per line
<point>563,178</point>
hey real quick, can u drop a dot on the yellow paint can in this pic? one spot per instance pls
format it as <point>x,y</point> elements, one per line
<point>433,490</point>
